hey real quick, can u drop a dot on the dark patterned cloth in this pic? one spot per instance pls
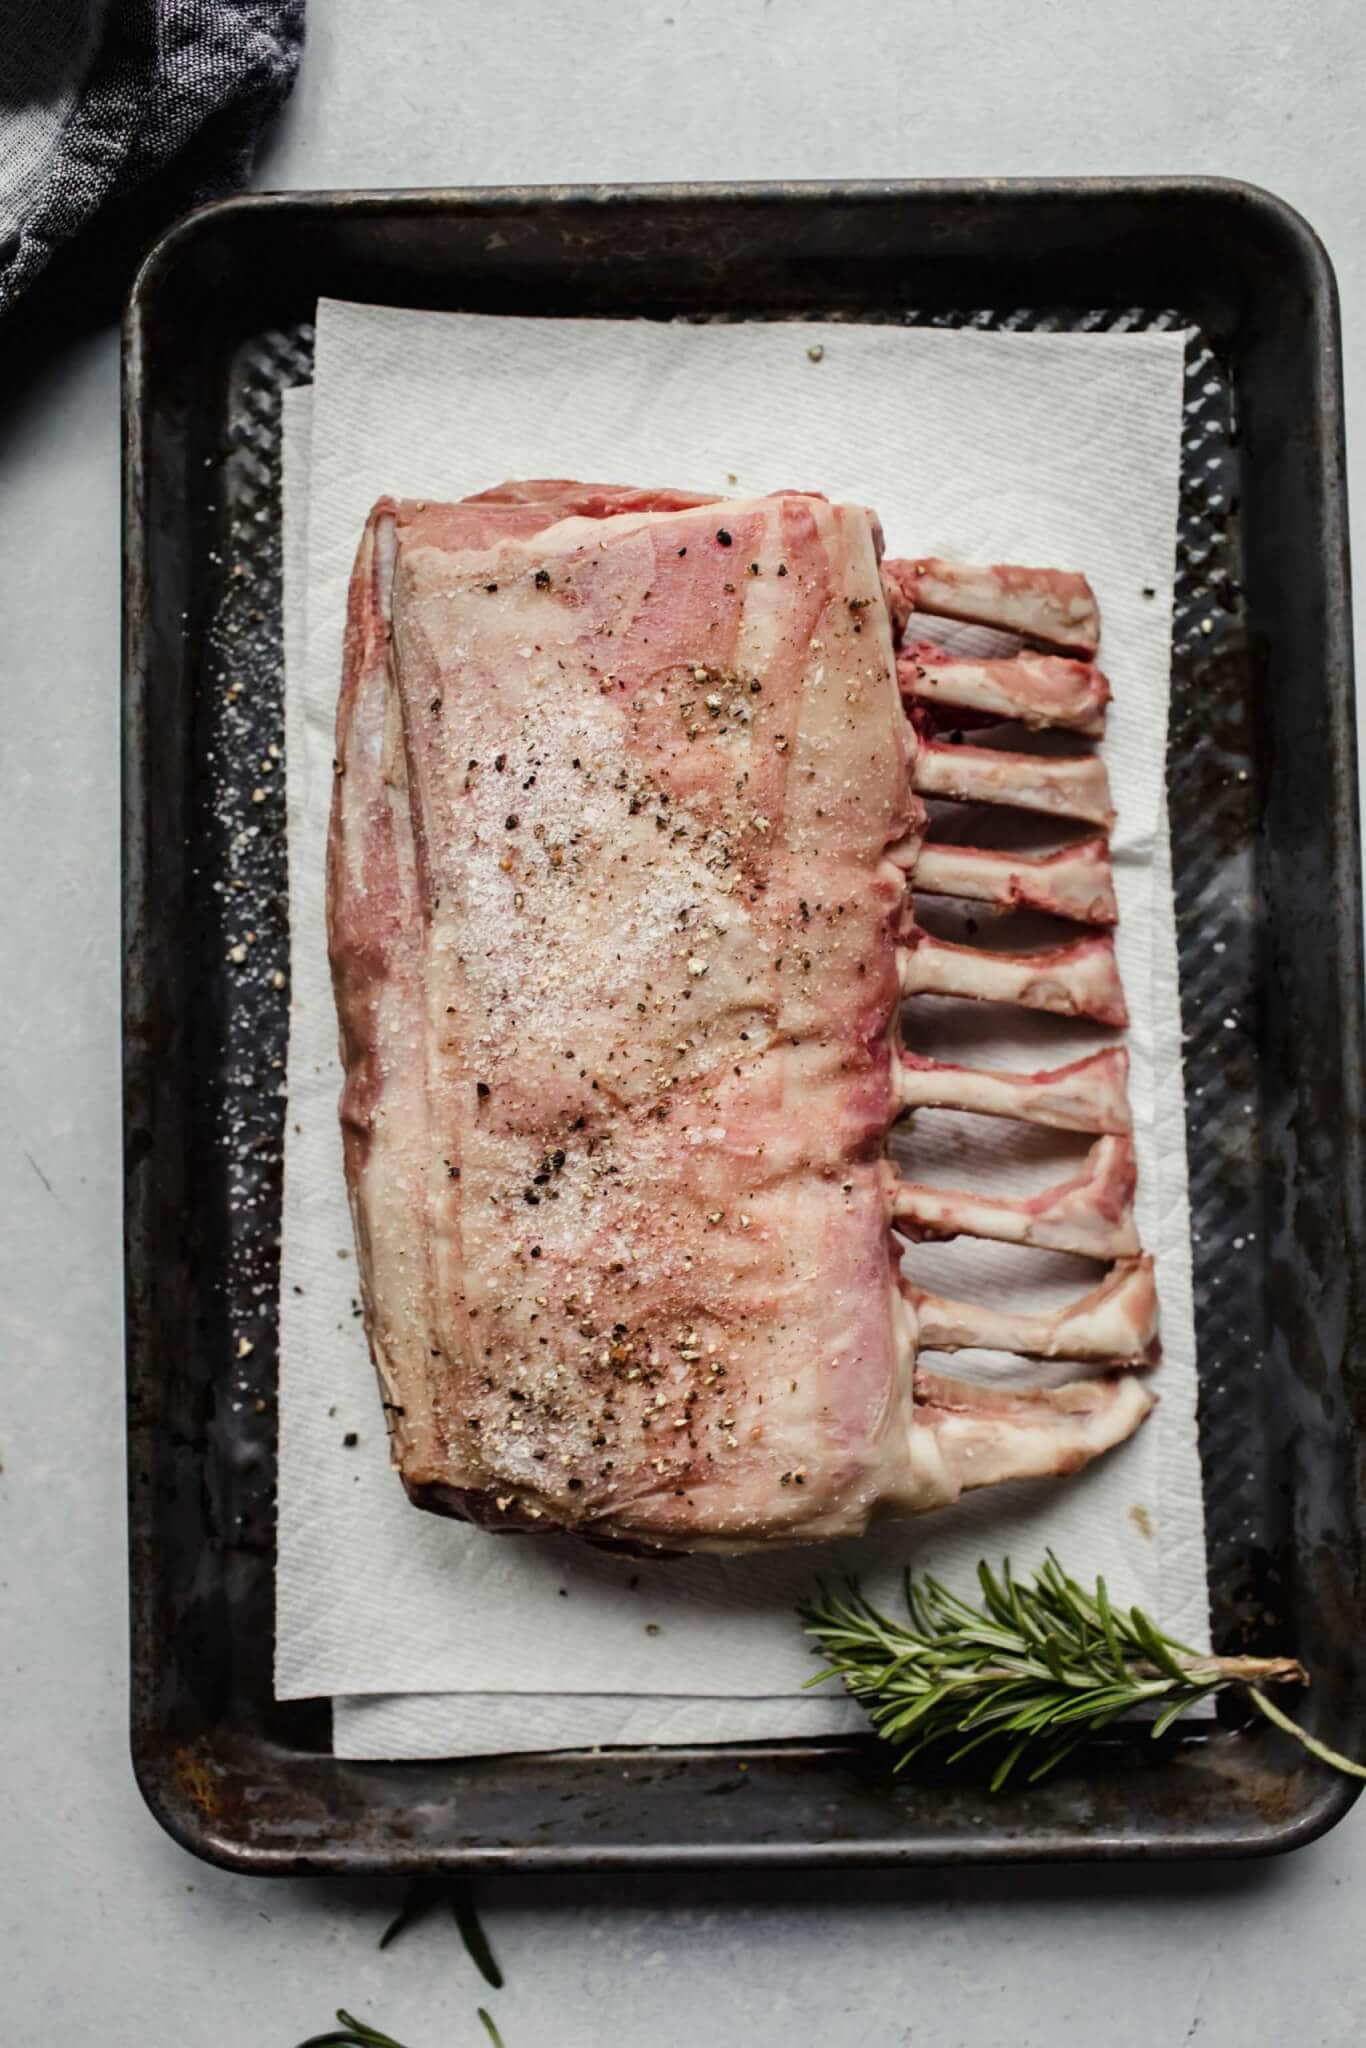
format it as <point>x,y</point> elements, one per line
<point>132,111</point>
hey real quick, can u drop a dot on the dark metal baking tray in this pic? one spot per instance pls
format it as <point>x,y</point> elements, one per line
<point>1262,783</point>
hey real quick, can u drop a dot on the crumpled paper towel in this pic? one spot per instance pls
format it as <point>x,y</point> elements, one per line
<point>1059,449</point>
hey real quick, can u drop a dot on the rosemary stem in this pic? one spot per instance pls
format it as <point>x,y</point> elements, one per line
<point>1245,1670</point>
<point>1304,1738</point>
<point>1229,1670</point>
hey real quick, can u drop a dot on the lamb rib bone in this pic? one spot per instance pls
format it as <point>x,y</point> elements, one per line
<point>1089,1094</point>
<point>1075,882</point>
<point>1090,1214</point>
<point>1115,1324</point>
<point>1076,980</point>
<point>1051,605</point>
<point>1062,786</point>
<point>1036,690</point>
<point>985,1436</point>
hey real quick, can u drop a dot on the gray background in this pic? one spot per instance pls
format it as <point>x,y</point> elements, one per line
<point>110,1935</point>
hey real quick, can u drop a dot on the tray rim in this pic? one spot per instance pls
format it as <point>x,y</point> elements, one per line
<point>473,199</point>
<point>165,1783</point>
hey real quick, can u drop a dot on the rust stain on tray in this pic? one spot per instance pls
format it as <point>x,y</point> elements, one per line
<point>197,1779</point>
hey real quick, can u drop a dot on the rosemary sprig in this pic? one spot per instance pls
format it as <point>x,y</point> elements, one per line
<point>1040,1665</point>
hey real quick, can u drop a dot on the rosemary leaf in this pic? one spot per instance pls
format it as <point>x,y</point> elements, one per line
<point>1157,1650</point>
<point>489,2027</point>
<point>475,1940</point>
<point>1170,1714</point>
<point>1008,1763</point>
<point>1107,1623</point>
<point>424,1893</point>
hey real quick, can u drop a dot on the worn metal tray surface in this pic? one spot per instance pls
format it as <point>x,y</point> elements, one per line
<point>1263,806</point>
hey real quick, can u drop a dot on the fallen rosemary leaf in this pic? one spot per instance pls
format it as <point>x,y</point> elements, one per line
<point>490,2029</point>
<point>1040,1665</point>
<point>424,1894</point>
<point>354,2034</point>
<point>476,1941</point>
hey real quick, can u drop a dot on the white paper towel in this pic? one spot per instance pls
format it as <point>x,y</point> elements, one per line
<point>434,1724</point>
<point>1057,449</point>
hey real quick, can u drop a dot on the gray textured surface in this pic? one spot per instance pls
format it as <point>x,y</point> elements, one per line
<point>110,1935</point>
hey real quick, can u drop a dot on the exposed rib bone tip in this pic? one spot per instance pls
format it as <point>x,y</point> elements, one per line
<point>1062,786</point>
<point>1075,882</point>
<point>1090,1214</point>
<point>986,1435</point>
<point>1051,605</point>
<point>1077,980</point>
<point>1115,1324</point>
<point>1089,1094</point>
<point>1036,690</point>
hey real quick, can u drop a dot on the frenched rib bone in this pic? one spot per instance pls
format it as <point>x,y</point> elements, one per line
<point>1062,786</point>
<point>1036,690</point>
<point>985,1435</point>
<point>1050,605</point>
<point>1078,980</point>
<point>1091,1214</point>
<point>1075,882</point>
<point>1089,1094</point>
<point>1115,1324</point>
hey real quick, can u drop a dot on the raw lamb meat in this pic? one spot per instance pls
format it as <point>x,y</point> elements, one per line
<point>625,811</point>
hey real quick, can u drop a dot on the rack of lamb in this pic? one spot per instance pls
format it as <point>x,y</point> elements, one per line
<point>626,828</point>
